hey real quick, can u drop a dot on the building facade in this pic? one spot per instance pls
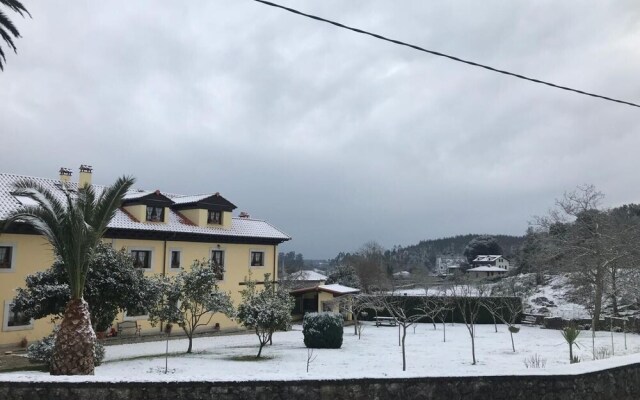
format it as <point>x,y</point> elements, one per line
<point>164,233</point>
<point>498,261</point>
<point>489,266</point>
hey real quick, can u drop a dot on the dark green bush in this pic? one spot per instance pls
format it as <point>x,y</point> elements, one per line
<point>42,351</point>
<point>322,330</point>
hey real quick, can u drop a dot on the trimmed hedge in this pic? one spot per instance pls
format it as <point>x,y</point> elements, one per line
<point>413,303</point>
<point>322,330</point>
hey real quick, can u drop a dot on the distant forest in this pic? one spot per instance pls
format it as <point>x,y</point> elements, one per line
<point>423,256</point>
<point>425,253</point>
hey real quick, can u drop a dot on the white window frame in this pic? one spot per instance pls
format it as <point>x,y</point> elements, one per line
<point>224,260</point>
<point>149,249</point>
<point>12,267</point>
<point>162,214</point>
<point>5,320</point>
<point>215,223</point>
<point>264,258</point>
<point>171,250</point>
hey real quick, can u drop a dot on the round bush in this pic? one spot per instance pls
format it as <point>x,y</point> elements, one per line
<point>322,330</point>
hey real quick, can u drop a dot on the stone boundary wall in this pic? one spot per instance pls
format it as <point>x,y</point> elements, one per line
<point>621,383</point>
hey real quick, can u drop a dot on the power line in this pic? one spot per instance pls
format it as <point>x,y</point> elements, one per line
<point>436,53</point>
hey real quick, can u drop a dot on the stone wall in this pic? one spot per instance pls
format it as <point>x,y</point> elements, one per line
<point>622,383</point>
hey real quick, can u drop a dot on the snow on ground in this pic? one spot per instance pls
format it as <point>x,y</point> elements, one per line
<point>376,355</point>
<point>553,297</point>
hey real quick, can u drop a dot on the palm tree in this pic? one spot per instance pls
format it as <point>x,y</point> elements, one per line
<point>7,28</point>
<point>73,224</point>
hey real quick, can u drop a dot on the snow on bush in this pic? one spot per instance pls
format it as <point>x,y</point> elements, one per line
<point>41,352</point>
<point>322,330</point>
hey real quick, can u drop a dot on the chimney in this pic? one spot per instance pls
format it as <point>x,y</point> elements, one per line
<point>65,175</point>
<point>85,176</point>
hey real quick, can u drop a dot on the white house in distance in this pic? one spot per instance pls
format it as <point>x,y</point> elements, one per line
<point>448,265</point>
<point>486,266</point>
<point>402,275</point>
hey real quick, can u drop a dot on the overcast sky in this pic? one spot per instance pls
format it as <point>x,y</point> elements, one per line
<point>334,137</point>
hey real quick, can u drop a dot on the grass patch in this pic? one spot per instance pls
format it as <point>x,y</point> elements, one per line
<point>150,356</point>
<point>39,367</point>
<point>249,358</point>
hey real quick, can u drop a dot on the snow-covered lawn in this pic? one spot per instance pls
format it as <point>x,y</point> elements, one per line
<point>377,354</point>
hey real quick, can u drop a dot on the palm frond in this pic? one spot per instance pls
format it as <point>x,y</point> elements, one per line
<point>16,6</point>
<point>72,224</point>
<point>41,220</point>
<point>40,194</point>
<point>7,28</point>
<point>6,23</point>
<point>7,39</point>
<point>109,201</point>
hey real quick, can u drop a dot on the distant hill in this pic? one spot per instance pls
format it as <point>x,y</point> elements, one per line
<point>425,253</point>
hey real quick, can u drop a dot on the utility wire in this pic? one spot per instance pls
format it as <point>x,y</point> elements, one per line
<point>436,53</point>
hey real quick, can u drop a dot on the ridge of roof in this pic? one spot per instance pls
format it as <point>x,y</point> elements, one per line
<point>122,220</point>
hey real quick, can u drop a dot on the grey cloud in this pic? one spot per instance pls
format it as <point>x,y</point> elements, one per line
<point>334,137</point>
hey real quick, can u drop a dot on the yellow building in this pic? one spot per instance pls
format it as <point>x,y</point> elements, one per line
<point>163,232</point>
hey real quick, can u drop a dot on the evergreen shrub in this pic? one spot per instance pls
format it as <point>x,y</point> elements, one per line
<point>42,351</point>
<point>322,330</point>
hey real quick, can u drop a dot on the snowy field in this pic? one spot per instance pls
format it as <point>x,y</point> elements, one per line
<point>377,354</point>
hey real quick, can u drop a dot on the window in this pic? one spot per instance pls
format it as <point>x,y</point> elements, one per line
<point>217,261</point>
<point>214,217</point>
<point>141,258</point>
<point>257,258</point>
<point>15,321</point>
<point>155,214</point>
<point>175,259</point>
<point>6,257</point>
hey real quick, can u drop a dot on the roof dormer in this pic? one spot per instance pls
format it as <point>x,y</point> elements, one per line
<point>147,206</point>
<point>211,210</point>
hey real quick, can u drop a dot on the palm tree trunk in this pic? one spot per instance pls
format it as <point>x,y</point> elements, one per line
<point>75,341</point>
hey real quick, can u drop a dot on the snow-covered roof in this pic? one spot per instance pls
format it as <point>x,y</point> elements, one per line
<point>136,194</point>
<point>487,258</point>
<point>240,227</point>
<point>306,275</point>
<point>487,269</point>
<point>336,288</point>
<point>190,199</point>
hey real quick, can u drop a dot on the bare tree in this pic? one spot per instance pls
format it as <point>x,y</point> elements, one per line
<point>625,221</point>
<point>468,299</point>
<point>310,358</point>
<point>356,304</point>
<point>507,310</point>
<point>592,242</point>
<point>436,308</point>
<point>398,307</point>
<point>368,263</point>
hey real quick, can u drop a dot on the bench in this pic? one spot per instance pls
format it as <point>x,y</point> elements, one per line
<point>129,326</point>
<point>385,321</point>
<point>529,320</point>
